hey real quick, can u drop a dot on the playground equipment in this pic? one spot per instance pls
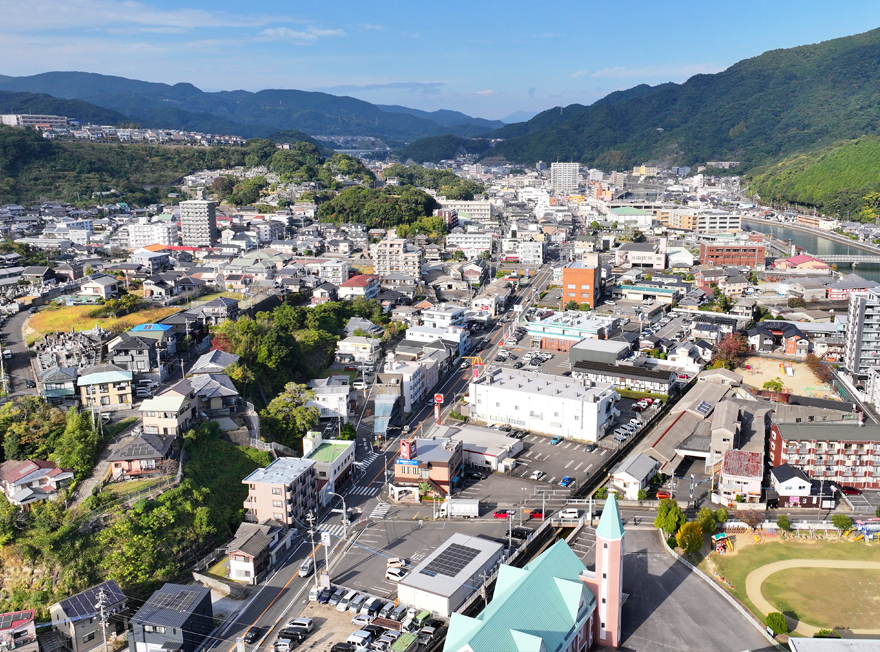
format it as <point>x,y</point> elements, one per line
<point>721,543</point>
<point>869,529</point>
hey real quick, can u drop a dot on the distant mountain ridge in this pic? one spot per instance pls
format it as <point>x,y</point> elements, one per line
<point>184,106</point>
<point>760,109</point>
<point>40,103</point>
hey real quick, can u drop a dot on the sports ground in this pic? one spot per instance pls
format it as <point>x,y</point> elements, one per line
<point>802,382</point>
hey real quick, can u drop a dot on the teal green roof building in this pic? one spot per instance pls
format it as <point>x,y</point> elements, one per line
<point>610,524</point>
<point>540,607</point>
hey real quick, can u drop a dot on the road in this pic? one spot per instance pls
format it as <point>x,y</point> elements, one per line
<point>284,593</point>
<point>18,368</point>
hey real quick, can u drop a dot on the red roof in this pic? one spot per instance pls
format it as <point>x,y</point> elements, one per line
<point>15,470</point>
<point>359,281</point>
<point>743,463</point>
<point>800,259</point>
<point>18,618</point>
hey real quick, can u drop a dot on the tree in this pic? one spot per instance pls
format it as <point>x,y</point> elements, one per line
<point>721,515</point>
<point>774,385</point>
<point>783,523</point>
<point>669,517</point>
<point>730,350</point>
<point>643,495</point>
<point>584,307</point>
<point>707,520</point>
<point>287,417</point>
<point>348,432</point>
<point>572,305</point>
<point>751,517</point>
<point>842,522</point>
<point>690,537</point>
<point>776,622</point>
<point>877,512</point>
<point>601,493</point>
<point>796,302</point>
<point>78,445</point>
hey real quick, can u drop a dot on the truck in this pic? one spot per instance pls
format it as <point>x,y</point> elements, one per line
<point>465,508</point>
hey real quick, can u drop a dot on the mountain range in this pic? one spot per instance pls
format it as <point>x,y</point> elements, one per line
<point>243,113</point>
<point>756,111</point>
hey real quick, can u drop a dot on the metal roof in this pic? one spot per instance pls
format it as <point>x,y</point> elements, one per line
<point>172,605</point>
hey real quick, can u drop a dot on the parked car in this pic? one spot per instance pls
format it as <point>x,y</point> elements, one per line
<point>395,574</point>
<point>252,634</point>
<point>589,448</point>
<point>325,595</point>
<point>567,481</point>
<point>538,513</point>
<point>557,439</point>
<point>537,474</point>
<point>361,620</point>
<point>683,377</point>
<point>474,475</point>
<point>338,594</point>
<point>850,491</point>
<point>518,365</point>
<point>663,494</point>
<point>305,624</point>
<point>503,513</point>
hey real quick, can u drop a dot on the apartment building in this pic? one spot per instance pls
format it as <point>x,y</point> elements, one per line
<point>23,120</point>
<point>543,403</point>
<point>362,285</point>
<point>862,348</point>
<point>104,385</point>
<point>702,221</point>
<point>144,234</point>
<point>396,255</point>
<point>473,211</point>
<point>334,461</point>
<point>284,491</point>
<point>198,223</point>
<point>472,243</point>
<point>847,454</point>
<point>564,177</point>
<point>527,252</point>
<point>581,281</point>
<point>729,255</point>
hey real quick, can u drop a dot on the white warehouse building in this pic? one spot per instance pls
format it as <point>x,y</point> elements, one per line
<point>545,404</point>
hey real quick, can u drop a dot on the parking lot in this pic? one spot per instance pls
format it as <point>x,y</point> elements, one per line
<point>865,503</point>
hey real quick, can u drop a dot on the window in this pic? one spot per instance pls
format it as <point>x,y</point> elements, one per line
<point>585,287</point>
<point>276,503</point>
<point>276,492</point>
<point>570,286</point>
<point>154,629</point>
<point>91,636</point>
<point>277,516</point>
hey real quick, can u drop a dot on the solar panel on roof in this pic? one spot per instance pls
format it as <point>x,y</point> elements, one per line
<point>6,620</point>
<point>451,561</point>
<point>175,601</point>
<point>703,407</point>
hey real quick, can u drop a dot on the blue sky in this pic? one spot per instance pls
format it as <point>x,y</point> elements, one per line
<point>487,58</point>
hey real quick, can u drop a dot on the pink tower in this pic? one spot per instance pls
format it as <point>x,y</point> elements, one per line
<point>608,581</point>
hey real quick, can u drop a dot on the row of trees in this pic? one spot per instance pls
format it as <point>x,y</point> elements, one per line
<point>383,208</point>
<point>672,521</point>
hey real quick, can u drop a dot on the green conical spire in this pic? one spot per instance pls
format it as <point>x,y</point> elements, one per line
<point>610,526</point>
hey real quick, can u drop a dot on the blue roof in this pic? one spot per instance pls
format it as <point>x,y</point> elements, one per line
<point>610,526</point>
<point>545,601</point>
<point>152,327</point>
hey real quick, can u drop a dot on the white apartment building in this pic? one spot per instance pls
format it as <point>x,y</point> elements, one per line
<point>268,230</point>
<point>526,252</point>
<point>863,332</point>
<point>332,396</point>
<point>564,176</point>
<point>444,315</point>
<point>474,210</point>
<point>472,244</point>
<point>544,404</point>
<point>412,386</point>
<point>396,255</point>
<point>22,120</point>
<point>334,461</point>
<point>457,334</point>
<point>198,223</point>
<point>146,233</point>
<point>334,271</point>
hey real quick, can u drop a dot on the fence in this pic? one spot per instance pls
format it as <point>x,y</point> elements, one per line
<point>273,447</point>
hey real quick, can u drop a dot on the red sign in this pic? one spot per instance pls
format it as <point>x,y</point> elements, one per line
<point>438,398</point>
<point>408,449</point>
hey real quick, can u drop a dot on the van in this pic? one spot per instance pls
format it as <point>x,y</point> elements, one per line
<point>343,604</point>
<point>143,393</point>
<point>359,384</point>
<point>396,562</point>
<point>570,512</point>
<point>372,608</point>
<point>313,593</point>
<point>398,613</point>
<point>282,645</point>
<point>306,568</point>
<point>360,637</point>
<point>421,618</point>
<point>355,605</point>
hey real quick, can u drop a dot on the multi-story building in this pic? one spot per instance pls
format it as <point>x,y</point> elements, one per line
<point>561,331</point>
<point>730,255</point>
<point>473,210</point>
<point>396,255</point>
<point>176,617</point>
<point>472,243</point>
<point>543,403</point>
<point>849,284</point>
<point>564,176</point>
<point>702,221</point>
<point>32,481</point>
<point>357,348</point>
<point>333,463</point>
<point>863,331</point>
<point>104,385</point>
<point>409,378</point>
<point>22,120</point>
<point>284,491</point>
<point>438,461</point>
<point>444,315</point>
<point>362,285</point>
<point>847,454</point>
<point>581,281</point>
<point>333,396</point>
<point>198,223</point>
<point>144,234</point>
<point>77,619</point>
<point>527,252</point>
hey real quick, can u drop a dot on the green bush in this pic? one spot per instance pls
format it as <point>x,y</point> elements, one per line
<point>776,622</point>
<point>826,633</point>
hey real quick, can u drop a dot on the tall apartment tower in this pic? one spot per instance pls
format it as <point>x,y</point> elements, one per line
<point>606,582</point>
<point>198,223</point>
<point>863,332</point>
<point>564,176</point>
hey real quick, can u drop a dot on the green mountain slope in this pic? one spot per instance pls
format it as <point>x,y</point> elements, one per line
<point>40,103</point>
<point>438,148</point>
<point>444,117</point>
<point>235,112</point>
<point>759,109</point>
<point>834,179</point>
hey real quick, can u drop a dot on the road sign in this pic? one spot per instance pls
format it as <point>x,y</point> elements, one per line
<point>324,579</point>
<point>325,539</point>
<point>438,398</point>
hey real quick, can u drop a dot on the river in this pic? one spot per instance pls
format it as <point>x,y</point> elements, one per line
<point>818,246</point>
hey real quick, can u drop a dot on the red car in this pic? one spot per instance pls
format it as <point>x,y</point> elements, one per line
<point>663,494</point>
<point>638,408</point>
<point>538,513</point>
<point>683,377</point>
<point>851,491</point>
<point>503,513</point>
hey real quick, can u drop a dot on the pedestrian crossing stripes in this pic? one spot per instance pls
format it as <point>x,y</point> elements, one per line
<point>335,530</point>
<point>364,463</point>
<point>380,511</point>
<point>364,491</point>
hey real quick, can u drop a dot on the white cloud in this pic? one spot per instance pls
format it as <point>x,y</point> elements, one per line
<point>487,92</point>
<point>622,72</point>
<point>309,35</point>
<point>580,73</point>
<point>370,26</point>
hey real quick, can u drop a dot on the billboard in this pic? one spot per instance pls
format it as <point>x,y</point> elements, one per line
<point>408,449</point>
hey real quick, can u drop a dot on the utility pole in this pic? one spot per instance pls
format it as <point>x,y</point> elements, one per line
<point>311,519</point>
<point>100,606</point>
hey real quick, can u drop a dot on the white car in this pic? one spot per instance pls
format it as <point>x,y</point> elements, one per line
<point>361,620</point>
<point>537,474</point>
<point>395,574</point>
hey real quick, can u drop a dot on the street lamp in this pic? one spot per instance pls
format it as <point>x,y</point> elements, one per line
<point>344,512</point>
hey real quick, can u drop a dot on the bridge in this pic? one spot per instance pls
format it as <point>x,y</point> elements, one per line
<point>849,258</point>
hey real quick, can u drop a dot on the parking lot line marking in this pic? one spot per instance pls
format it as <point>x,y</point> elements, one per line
<point>546,457</point>
<point>604,450</point>
<point>529,454</point>
<point>570,462</point>
<point>551,479</point>
<point>535,438</point>
<point>588,468</point>
<point>568,445</point>
<point>578,466</point>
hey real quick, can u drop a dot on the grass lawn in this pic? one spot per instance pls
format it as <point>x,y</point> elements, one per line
<point>114,429</point>
<point>216,295</point>
<point>827,597</point>
<point>747,556</point>
<point>77,317</point>
<point>338,372</point>
<point>131,486</point>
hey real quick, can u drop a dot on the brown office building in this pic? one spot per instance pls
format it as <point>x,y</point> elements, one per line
<point>581,282</point>
<point>723,255</point>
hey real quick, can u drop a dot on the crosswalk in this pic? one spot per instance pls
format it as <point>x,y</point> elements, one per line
<point>335,530</point>
<point>364,463</point>
<point>364,491</point>
<point>380,510</point>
